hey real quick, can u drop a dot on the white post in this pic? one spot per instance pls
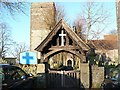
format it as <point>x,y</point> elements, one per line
<point>62,83</point>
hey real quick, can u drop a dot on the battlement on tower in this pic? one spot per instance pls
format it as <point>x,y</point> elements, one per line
<point>43,5</point>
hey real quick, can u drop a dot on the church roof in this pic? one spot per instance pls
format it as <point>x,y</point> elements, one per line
<point>71,33</point>
<point>104,44</point>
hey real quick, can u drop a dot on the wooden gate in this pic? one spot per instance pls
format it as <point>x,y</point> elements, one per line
<point>63,79</point>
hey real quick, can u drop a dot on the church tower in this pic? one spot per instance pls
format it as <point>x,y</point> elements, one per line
<point>42,21</point>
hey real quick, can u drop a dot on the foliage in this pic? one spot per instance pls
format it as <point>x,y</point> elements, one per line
<point>2,61</point>
<point>56,66</point>
<point>91,57</point>
<point>109,66</point>
<point>76,67</point>
<point>29,68</point>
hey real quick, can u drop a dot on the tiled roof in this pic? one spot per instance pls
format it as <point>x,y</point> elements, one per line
<point>110,37</point>
<point>104,44</point>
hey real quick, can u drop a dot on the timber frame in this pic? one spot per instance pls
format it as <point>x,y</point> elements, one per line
<point>73,43</point>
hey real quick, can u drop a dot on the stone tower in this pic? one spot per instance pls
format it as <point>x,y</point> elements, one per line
<point>42,21</point>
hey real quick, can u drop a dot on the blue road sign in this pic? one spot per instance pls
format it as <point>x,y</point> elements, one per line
<point>28,58</point>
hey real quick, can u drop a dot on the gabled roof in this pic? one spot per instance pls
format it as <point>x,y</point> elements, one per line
<point>71,33</point>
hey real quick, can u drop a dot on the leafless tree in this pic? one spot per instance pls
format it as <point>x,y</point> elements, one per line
<point>79,25</point>
<point>95,18</point>
<point>12,6</point>
<point>60,12</point>
<point>5,39</point>
<point>18,48</point>
<point>113,32</point>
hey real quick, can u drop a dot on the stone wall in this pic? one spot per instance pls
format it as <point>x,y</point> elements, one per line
<point>97,76</point>
<point>85,75</point>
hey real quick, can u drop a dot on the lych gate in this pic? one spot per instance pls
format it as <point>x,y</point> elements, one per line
<point>60,48</point>
<point>63,50</point>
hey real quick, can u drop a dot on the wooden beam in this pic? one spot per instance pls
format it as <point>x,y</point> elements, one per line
<point>66,50</point>
<point>58,41</point>
<point>64,47</point>
<point>67,39</point>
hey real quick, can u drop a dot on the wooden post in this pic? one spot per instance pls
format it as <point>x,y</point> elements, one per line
<point>58,41</point>
<point>67,40</point>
